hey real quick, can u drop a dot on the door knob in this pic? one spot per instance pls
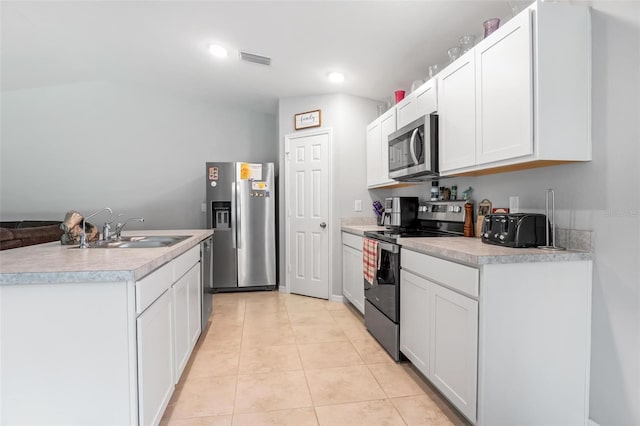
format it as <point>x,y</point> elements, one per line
<point>323,225</point>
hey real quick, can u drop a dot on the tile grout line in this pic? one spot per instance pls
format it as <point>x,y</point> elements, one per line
<point>235,392</point>
<point>304,373</point>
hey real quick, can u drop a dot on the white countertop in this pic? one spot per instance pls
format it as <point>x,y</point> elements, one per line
<point>361,229</point>
<point>473,251</point>
<point>55,263</point>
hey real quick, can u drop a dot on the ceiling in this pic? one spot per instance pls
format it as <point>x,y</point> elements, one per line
<point>380,46</point>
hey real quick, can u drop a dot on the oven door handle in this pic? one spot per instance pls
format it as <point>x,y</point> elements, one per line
<point>391,248</point>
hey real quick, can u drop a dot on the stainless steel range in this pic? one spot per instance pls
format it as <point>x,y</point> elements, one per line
<point>382,296</point>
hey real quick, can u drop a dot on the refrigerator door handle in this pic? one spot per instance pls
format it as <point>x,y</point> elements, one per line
<point>233,216</point>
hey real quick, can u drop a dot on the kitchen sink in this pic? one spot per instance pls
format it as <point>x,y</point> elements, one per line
<point>141,241</point>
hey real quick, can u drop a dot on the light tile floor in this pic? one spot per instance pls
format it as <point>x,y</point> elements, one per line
<point>270,358</point>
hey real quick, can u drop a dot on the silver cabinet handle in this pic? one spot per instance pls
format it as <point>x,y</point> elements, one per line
<point>323,225</point>
<point>234,231</point>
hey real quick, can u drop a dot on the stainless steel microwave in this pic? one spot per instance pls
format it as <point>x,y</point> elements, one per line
<point>413,150</point>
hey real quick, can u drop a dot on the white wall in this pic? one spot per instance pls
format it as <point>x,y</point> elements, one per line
<point>348,116</point>
<point>89,145</point>
<point>603,196</point>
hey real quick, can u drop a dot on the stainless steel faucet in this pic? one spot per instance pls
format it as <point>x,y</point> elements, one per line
<point>119,226</point>
<point>106,228</point>
<point>83,236</point>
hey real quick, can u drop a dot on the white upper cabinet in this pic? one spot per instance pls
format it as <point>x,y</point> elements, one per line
<point>457,114</point>
<point>378,149</point>
<point>521,98</point>
<point>374,155</point>
<point>407,110</point>
<point>504,93</point>
<point>427,98</point>
<point>419,103</point>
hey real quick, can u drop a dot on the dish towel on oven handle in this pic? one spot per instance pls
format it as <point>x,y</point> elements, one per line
<point>370,259</point>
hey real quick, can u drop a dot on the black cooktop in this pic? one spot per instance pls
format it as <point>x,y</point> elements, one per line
<point>391,235</point>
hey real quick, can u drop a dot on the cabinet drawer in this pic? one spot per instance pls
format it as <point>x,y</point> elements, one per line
<point>458,277</point>
<point>351,240</point>
<point>185,261</point>
<point>152,286</point>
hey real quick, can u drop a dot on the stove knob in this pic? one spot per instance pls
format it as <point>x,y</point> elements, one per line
<point>457,209</point>
<point>502,237</point>
<point>486,235</point>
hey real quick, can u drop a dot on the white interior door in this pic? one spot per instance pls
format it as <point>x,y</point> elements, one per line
<point>307,199</point>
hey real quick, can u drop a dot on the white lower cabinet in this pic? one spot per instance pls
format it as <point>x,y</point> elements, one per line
<point>155,359</point>
<point>180,292</point>
<point>195,305</point>
<point>186,302</point>
<point>415,296</point>
<point>454,347</point>
<point>439,335</point>
<point>167,331</point>
<point>352,273</point>
<point>505,343</point>
<point>98,353</point>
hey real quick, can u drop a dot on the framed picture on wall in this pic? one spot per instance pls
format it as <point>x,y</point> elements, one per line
<point>308,119</point>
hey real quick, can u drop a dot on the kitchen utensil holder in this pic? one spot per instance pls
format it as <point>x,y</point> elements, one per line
<point>551,245</point>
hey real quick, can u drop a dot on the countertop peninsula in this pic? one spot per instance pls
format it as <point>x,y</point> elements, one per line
<point>52,263</point>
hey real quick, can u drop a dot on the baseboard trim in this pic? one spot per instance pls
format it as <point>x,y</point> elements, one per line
<point>337,298</point>
<point>590,422</point>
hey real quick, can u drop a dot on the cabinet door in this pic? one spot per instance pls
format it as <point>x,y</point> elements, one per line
<point>457,114</point>
<point>504,97</point>
<point>415,294</point>
<point>155,359</point>
<point>454,348</point>
<point>406,111</point>
<point>426,98</point>
<point>194,285</point>
<point>387,126</point>
<point>374,154</point>
<point>352,277</point>
<point>181,325</point>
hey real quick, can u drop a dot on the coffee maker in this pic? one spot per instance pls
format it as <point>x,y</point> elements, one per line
<point>400,212</point>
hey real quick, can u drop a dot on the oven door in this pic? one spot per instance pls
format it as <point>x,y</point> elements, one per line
<point>384,292</point>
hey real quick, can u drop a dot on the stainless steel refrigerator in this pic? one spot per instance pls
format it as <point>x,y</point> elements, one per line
<point>241,208</point>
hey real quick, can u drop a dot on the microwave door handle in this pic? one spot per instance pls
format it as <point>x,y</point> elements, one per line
<point>412,146</point>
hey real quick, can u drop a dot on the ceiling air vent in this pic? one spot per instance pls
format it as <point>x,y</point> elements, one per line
<point>256,59</point>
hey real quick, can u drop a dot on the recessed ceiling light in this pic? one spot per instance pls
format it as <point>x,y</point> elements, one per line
<point>336,77</point>
<point>218,51</point>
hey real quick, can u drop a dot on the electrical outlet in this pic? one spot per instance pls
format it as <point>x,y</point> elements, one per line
<point>358,206</point>
<point>203,207</point>
<point>514,204</point>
